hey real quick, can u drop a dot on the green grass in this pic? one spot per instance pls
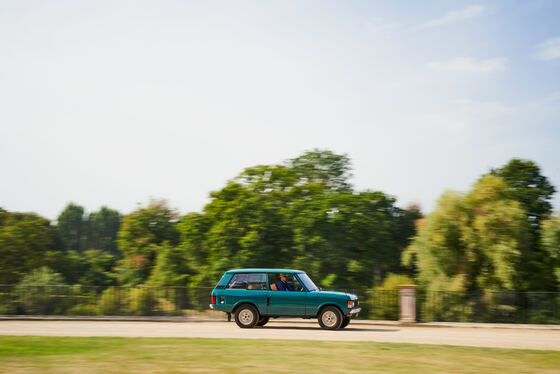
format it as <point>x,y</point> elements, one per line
<point>29,354</point>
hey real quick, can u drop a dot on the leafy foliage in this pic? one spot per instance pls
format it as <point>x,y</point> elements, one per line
<point>71,227</point>
<point>34,291</point>
<point>551,243</point>
<point>534,192</point>
<point>102,229</point>
<point>302,214</point>
<point>25,239</point>
<point>171,267</point>
<point>529,187</point>
<point>142,232</point>
<point>472,242</point>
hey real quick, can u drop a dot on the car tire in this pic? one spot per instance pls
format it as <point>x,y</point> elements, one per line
<point>246,316</point>
<point>330,318</point>
<point>345,322</point>
<point>263,321</point>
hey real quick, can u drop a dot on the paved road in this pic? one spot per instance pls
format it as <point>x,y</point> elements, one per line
<point>505,338</point>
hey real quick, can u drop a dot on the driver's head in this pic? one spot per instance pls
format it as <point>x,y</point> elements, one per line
<point>283,277</point>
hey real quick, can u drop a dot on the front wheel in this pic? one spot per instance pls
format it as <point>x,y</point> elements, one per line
<point>263,321</point>
<point>345,322</point>
<point>246,316</point>
<point>330,318</point>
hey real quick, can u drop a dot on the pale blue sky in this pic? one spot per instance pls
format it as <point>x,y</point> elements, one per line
<point>113,102</point>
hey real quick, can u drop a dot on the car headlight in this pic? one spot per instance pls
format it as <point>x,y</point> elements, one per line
<point>350,304</point>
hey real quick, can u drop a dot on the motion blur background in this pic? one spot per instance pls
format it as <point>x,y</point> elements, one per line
<point>109,103</point>
<point>368,143</point>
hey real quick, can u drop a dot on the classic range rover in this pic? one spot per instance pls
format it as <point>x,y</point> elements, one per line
<point>254,296</point>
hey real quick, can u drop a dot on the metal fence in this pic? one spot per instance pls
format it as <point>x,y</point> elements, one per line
<point>149,301</point>
<point>491,307</point>
<point>503,307</point>
<point>377,304</point>
<point>101,301</point>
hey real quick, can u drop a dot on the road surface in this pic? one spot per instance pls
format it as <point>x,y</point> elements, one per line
<point>480,337</point>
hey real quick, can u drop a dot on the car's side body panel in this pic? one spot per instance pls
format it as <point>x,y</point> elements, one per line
<point>319,299</point>
<point>287,303</point>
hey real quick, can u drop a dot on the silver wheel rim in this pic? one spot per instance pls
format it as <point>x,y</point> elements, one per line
<point>246,316</point>
<point>329,318</point>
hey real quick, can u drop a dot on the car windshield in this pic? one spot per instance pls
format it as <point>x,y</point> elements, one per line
<point>307,282</point>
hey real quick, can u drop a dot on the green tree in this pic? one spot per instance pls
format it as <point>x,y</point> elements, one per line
<point>171,267</point>
<point>98,268</point>
<point>71,228</point>
<point>551,244</point>
<point>344,237</point>
<point>318,166</point>
<point>140,236</point>
<point>103,227</point>
<point>25,241</point>
<point>471,242</point>
<point>534,192</point>
<point>528,186</point>
<point>301,214</point>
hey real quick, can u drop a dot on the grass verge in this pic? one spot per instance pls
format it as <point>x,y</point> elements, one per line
<point>29,354</point>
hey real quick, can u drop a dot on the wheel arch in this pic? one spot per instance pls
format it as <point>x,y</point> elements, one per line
<point>245,302</point>
<point>327,304</point>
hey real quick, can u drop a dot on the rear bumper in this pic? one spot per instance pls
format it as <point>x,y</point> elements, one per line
<point>221,308</point>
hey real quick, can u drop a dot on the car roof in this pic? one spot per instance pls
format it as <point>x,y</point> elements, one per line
<point>265,270</point>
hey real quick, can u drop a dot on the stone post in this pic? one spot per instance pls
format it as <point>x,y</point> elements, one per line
<point>407,303</point>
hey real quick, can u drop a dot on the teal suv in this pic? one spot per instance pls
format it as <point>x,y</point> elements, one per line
<point>254,296</point>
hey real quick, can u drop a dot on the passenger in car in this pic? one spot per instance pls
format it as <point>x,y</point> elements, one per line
<point>282,283</point>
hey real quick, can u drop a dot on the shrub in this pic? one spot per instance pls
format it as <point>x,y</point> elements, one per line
<point>84,310</point>
<point>112,302</point>
<point>38,292</point>
<point>143,302</point>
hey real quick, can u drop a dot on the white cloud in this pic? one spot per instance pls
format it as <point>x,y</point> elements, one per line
<point>470,65</point>
<point>549,49</point>
<point>474,116</point>
<point>454,16</point>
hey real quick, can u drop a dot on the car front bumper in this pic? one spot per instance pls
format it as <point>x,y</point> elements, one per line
<point>355,311</point>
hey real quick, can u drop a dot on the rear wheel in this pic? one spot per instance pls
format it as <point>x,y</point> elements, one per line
<point>330,318</point>
<point>345,322</point>
<point>246,316</point>
<point>263,321</point>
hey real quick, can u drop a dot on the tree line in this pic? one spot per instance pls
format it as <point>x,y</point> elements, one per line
<point>303,214</point>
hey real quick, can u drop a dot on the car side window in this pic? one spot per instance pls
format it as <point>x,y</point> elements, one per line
<point>239,281</point>
<point>257,281</point>
<point>292,282</point>
<point>248,281</point>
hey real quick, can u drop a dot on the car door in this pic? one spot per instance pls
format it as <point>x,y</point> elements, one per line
<point>286,303</point>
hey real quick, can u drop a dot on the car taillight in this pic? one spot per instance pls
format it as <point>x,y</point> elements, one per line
<point>213,299</point>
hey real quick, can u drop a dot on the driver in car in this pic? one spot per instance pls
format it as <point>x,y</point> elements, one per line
<point>282,283</point>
